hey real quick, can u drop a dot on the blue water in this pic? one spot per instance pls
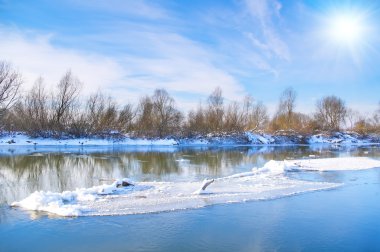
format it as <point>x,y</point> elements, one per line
<point>343,219</point>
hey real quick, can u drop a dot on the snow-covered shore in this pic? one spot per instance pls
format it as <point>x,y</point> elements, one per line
<point>246,138</point>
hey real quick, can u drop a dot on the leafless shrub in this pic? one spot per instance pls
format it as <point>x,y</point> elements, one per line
<point>196,123</point>
<point>331,113</point>
<point>65,101</point>
<point>215,111</point>
<point>286,107</point>
<point>10,82</point>
<point>144,125</point>
<point>257,117</point>
<point>233,121</point>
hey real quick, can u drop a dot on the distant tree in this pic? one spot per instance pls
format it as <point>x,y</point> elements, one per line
<point>64,100</point>
<point>331,113</point>
<point>144,121</point>
<point>287,105</point>
<point>126,117</point>
<point>376,120</point>
<point>196,123</point>
<point>257,117</point>
<point>166,116</point>
<point>215,110</point>
<point>352,117</point>
<point>10,82</point>
<point>363,126</point>
<point>233,120</point>
<point>31,114</point>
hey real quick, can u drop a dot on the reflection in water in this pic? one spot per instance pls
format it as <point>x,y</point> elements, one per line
<point>23,171</point>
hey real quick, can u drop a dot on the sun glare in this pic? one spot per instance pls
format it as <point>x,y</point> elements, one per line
<point>346,29</point>
<point>346,33</point>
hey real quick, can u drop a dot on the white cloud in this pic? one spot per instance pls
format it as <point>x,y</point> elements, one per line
<point>177,64</point>
<point>34,55</point>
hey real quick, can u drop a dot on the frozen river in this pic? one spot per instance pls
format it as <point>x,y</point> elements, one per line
<point>346,216</point>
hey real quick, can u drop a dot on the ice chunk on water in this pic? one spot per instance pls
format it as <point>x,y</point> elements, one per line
<point>268,182</point>
<point>148,197</point>
<point>333,164</point>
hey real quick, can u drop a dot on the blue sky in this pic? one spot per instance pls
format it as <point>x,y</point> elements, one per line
<point>257,47</point>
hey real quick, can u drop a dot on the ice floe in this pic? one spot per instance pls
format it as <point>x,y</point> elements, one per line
<point>332,164</point>
<point>124,197</point>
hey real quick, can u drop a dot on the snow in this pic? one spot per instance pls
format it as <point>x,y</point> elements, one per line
<point>150,197</point>
<point>259,138</point>
<point>268,182</point>
<point>246,138</point>
<point>333,164</point>
<point>338,139</point>
<point>24,140</point>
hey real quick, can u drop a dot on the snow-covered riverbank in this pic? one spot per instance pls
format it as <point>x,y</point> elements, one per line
<point>246,138</point>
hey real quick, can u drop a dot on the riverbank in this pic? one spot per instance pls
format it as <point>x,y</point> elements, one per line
<point>245,138</point>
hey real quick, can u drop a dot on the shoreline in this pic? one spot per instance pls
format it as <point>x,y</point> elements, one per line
<point>236,139</point>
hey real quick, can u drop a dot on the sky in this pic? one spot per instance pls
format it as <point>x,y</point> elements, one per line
<point>129,48</point>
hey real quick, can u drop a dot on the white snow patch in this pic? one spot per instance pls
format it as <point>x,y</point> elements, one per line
<point>256,138</point>
<point>333,164</point>
<point>338,139</point>
<point>24,140</point>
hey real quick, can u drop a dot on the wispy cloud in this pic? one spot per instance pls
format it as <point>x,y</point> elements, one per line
<point>265,13</point>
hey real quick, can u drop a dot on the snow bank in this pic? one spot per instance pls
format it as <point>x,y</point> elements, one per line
<point>333,164</point>
<point>23,140</point>
<point>259,138</point>
<point>246,138</point>
<point>339,139</point>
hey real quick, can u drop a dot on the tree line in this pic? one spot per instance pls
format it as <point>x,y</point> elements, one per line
<point>62,113</point>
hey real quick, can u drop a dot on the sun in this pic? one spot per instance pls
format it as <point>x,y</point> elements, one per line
<point>345,34</point>
<point>346,29</point>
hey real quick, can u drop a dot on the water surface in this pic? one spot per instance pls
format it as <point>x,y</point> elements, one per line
<point>346,218</point>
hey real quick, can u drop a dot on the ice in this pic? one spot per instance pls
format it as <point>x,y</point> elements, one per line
<point>333,164</point>
<point>147,197</point>
<point>268,182</point>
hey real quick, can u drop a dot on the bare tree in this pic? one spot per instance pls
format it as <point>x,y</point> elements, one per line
<point>144,120</point>
<point>215,111</point>
<point>10,82</point>
<point>196,121</point>
<point>375,120</point>
<point>233,118</point>
<point>65,99</point>
<point>31,114</point>
<point>37,107</point>
<point>257,117</point>
<point>286,107</point>
<point>166,116</point>
<point>331,112</point>
<point>352,117</point>
<point>126,117</point>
